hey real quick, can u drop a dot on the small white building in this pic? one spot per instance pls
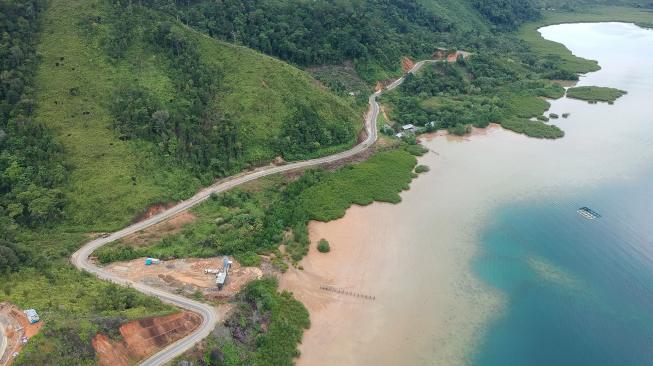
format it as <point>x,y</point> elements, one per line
<point>408,127</point>
<point>32,316</point>
<point>399,135</point>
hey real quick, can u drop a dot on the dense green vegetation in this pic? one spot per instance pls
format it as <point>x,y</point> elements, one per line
<point>507,13</point>
<point>246,222</point>
<point>31,166</point>
<point>372,33</point>
<point>194,125</point>
<point>595,93</point>
<point>264,329</point>
<point>140,126</point>
<point>476,91</point>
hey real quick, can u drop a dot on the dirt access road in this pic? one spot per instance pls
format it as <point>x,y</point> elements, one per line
<point>80,258</point>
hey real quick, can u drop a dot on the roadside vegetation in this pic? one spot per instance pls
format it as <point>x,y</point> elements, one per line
<point>595,93</point>
<point>264,329</point>
<point>247,222</point>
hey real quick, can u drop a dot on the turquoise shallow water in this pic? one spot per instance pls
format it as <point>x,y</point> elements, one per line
<point>578,292</point>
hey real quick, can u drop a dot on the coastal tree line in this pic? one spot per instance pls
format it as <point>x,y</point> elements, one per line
<point>475,91</point>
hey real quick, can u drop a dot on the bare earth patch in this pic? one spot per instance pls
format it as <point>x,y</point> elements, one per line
<point>407,64</point>
<point>144,337</point>
<point>187,276</point>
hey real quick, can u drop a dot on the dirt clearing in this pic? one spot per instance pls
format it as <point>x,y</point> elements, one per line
<point>186,276</point>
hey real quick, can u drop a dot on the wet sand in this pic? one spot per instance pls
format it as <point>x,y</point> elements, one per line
<point>372,261</point>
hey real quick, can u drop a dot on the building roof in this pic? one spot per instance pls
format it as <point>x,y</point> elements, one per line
<point>31,312</point>
<point>408,126</point>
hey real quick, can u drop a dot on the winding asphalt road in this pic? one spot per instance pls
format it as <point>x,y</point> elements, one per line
<point>80,258</point>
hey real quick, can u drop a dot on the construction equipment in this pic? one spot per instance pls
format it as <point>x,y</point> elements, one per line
<point>222,273</point>
<point>221,277</point>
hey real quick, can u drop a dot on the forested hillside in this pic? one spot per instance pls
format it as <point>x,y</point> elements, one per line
<point>148,110</point>
<point>373,33</point>
<point>106,108</point>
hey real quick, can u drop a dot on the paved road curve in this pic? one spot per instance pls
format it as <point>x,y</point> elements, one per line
<point>80,258</point>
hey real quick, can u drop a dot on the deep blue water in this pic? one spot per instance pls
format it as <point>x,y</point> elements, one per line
<point>601,313</point>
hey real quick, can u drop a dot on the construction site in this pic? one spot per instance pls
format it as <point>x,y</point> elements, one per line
<point>215,278</point>
<point>16,328</point>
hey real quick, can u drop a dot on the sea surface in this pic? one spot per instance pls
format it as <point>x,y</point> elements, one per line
<point>578,291</point>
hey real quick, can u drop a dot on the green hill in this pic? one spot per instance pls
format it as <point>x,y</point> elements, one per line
<point>374,34</point>
<point>116,172</point>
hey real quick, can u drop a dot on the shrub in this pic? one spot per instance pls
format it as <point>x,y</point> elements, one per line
<point>323,246</point>
<point>416,150</point>
<point>421,169</point>
<point>460,129</point>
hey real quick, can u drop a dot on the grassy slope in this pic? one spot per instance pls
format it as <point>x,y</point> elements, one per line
<point>540,46</point>
<point>100,189</point>
<point>260,92</point>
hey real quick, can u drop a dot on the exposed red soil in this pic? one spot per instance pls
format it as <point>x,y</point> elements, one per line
<point>407,64</point>
<point>144,337</point>
<point>454,56</point>
<point>153,210</point>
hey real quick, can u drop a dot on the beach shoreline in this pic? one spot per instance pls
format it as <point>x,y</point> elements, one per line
<point>381,283</point>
